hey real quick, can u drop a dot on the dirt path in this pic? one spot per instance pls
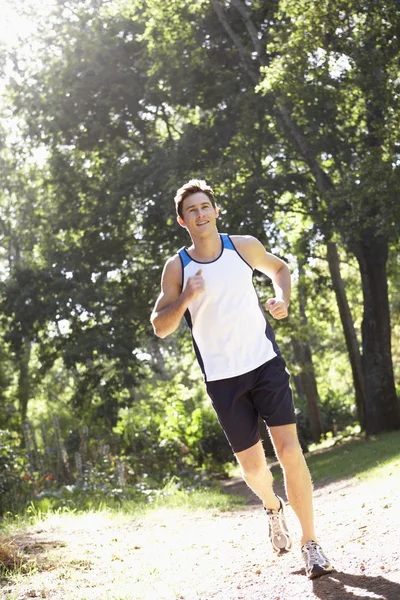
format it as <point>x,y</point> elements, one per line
<point>224,556</point>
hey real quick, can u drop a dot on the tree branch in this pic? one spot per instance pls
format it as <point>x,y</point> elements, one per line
<point>251,29</point>
<point>304,147</point>
<point>282,113</point>
<point>220,12</point>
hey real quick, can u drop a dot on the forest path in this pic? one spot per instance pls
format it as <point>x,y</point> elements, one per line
<point>170,554</point>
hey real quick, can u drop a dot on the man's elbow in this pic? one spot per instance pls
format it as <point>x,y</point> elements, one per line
<point>160,333</point>
<point>284,269</point>
<point>158,330</point>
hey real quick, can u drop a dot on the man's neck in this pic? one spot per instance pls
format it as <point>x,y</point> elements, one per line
<point>206,249</point>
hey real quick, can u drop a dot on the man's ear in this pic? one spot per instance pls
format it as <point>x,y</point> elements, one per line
<point>216,211</point>
<point>180,221</point>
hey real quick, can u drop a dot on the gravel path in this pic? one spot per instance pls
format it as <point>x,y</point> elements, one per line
<point>171,555</point>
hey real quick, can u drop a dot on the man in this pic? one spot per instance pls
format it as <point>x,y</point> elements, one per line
<point>210,284</point>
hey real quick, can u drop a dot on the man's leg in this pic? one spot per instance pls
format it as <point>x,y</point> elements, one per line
<point>256,474</point>
<point>259,478</point>
<point>297,477</point>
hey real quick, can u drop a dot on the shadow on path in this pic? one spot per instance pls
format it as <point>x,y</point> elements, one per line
<point>238,486</point>
<point>344,586</point>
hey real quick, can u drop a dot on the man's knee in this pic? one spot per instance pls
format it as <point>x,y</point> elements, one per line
<point>253,468</point>
<point>290,454</point>
<point>252,461</point>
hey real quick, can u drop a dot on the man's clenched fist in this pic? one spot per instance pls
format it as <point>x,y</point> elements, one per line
<point>195,286</point>
<point>277,308</point>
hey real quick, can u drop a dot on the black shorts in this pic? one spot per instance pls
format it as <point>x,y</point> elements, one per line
<point>238,401</point>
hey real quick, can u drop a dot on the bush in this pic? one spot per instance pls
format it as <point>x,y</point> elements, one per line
<point>12,468</point>
<point>171,430</point>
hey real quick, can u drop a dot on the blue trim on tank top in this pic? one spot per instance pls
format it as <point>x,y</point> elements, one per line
<point>185,257</point>
<point>227,242</point>
<point>238,253</point>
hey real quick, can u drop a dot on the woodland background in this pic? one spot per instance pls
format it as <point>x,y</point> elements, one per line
<point>291,111</point>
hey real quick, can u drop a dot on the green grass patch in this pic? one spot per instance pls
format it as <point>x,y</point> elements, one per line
<point>171,496</point>
<point>207,499</point>
<point>372,458</point>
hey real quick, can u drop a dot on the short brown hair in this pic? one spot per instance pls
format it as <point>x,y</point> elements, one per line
<point>192,187</point>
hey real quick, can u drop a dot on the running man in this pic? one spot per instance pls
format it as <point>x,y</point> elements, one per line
<point>210,284</point>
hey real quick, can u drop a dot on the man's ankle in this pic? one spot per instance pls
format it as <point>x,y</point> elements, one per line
<point>276,505</point>
<point>307,538</point>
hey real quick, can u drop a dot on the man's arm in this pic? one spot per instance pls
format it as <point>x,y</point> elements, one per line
<point>172,302</point>
<point>276,269</point>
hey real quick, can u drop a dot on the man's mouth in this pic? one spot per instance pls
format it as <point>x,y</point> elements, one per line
<point>201,224</point>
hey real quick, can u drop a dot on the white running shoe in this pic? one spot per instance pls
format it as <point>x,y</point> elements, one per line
<point>278,531</point>
<point>316,562</point>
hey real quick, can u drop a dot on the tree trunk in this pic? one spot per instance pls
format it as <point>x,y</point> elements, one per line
<point>349,331</point>
<point>382,411</point>
<point>303,354</point>
<point>302,431</point>
<point>24,387</point>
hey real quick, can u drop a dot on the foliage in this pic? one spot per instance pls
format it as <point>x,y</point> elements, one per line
<point>12,464</point>
<point>169,430</point>
<point>119,103</point>
<point>335,68</point>
<point>167,434</point>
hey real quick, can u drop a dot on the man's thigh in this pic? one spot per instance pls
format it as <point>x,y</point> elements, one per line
<point>272,394</point>
<point>253,458</point>
<point>235,410</point>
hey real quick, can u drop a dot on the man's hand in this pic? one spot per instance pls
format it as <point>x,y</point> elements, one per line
<point>195,286</point>
<point>277,308</point>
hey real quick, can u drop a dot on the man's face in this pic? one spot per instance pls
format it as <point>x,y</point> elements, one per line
<point>198,214</point>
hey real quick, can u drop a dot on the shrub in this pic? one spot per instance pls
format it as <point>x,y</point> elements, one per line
<point>12,468</point>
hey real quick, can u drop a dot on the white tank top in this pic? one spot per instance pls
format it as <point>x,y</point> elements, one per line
<point>231,334</point>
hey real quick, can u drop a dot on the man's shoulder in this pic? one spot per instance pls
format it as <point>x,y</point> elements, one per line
<point>249,247</point>
<point>244,240</point>
<point>174,258</point>
<point>173,265</point>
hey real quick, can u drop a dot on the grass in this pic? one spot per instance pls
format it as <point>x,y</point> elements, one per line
<point>372,459</point>
<point>171,497</point>
<point>10,557</point>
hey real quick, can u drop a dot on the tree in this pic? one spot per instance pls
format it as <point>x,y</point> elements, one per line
<point>87,283</point>
<point>137,124</point>
<point>309,105</point>
<point>357,151</point>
